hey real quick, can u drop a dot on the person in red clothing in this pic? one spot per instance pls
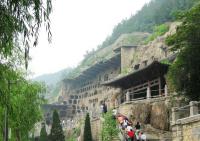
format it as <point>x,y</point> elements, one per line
<point>130,135</point>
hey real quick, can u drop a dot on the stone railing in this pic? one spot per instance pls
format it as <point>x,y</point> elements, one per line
<point>186,122</point>
<point>185,111</point>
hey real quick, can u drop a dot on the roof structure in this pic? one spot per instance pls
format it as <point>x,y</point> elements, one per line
<point>90,72</point>
<point>149,72</point>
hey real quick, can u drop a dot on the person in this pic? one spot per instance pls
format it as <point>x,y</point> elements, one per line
<point>129,128</point>
<point>143,137</point>
<point>101,107</point>
<point>137,132</point>
<point>125,124</point>
<point>137,126</point>
<point>104,108</point>
<point>130,135</point>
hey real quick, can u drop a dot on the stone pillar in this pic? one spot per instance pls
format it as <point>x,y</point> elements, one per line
<point>148,92</point>
<point>175,115</point>
<point>166,90</point>
<point>127,96</point>
<point>193,108</point>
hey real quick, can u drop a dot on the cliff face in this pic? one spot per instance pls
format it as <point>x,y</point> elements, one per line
<point>154,112</point>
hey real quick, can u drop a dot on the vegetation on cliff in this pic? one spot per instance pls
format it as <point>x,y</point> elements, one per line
<point>109,130</point>
<point>184,72</point>
<point>158,31</point>
<point>152,14</point>
<point>87,129</point>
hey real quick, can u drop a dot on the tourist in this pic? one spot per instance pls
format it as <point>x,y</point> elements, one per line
<point>137,135</point>
<point>130,135</point>
<point>101,107</point>
<point>137,126</point>
<point>104,108</point>
<point>128,128</point>
<point>143,137</point>
<point>125,123</point>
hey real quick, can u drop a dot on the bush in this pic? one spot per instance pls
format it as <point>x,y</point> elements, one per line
<point>109,128</point>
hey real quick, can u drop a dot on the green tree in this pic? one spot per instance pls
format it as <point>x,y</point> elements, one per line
<point>20,23</point>
<point>87,129</point>
<point>184,72</point>
<point>109,128</point>
<point>21,99</point>
<point>43,133</point>
<point>56,130</point>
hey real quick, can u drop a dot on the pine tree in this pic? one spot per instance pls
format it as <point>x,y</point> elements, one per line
<point>56,130</point>
<point>43,134</point>
<point>87,129</point>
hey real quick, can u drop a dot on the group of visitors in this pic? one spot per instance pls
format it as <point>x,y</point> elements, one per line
<point>132,133</point>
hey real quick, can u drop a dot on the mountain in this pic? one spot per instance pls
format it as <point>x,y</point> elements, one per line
<point>53,83</point>
<point>53,78</point>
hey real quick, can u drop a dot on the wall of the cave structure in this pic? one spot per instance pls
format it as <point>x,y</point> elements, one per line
<point>89,94</point>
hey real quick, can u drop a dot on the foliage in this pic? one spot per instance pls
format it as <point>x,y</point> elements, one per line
<point>56,130</point>
<point>109,130</point>
<point>152,14</point>
<point>184,72</point>
<point>165,61</point>
<point>158,31</point>
<point>20,23</point>
<point>21,99</point>
<point>43,134</point>
<point>87,129</point>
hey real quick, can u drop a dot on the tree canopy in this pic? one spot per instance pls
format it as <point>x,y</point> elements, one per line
<point>184,72</point>
<point>21,98</point>
<point>20,21</point>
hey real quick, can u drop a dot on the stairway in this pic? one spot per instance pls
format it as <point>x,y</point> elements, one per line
<point>116,139</point>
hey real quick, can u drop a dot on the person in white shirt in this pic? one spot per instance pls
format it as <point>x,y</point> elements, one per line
<point>143,137</point>
<point>129,128</point>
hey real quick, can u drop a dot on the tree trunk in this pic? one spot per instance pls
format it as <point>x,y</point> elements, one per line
<point>18,138</point>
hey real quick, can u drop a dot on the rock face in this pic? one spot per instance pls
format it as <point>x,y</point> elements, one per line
<point>154,112</point>
<point>159,118</point>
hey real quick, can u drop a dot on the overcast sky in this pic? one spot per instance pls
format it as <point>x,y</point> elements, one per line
<point>78,26</point>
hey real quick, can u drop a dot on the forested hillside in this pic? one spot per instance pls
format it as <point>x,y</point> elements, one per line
<point>154,13</point>
<point>52,81</point>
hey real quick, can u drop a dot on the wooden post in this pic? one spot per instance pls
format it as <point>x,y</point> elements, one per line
<point>127,96</point>
<point>148,91</point>
<point>159,84</point>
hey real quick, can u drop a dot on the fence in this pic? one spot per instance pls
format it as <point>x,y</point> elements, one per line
<point>186,111</point>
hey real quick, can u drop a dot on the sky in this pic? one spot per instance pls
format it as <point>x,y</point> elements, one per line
<point>78,26</point>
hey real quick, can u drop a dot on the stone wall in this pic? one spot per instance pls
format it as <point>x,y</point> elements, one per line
<point>187,129</point>
<point>96,129</point>
<point>126,57</point>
